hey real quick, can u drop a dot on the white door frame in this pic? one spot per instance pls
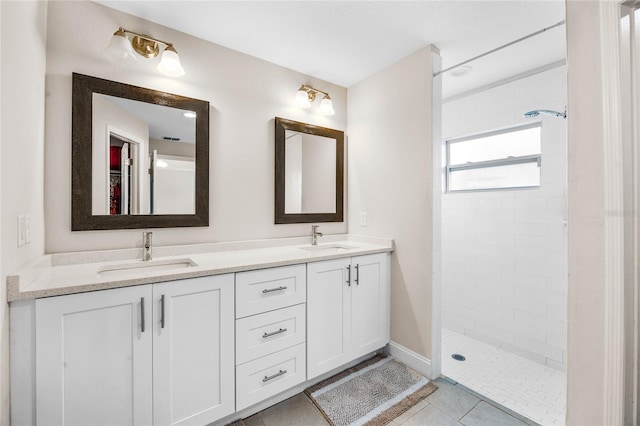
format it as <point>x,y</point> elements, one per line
<point>615,256</point>
<point>624,93</point>
<point>436,227</point>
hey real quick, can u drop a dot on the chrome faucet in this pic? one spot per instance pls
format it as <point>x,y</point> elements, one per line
<point>146,245</point>
<point>315,234</point>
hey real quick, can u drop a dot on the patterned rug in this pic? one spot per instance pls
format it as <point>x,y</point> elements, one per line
<point>372,393</point>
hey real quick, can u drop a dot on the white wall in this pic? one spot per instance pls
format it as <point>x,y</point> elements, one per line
<point>22,83</point>
<point>179,149</point>
<point>389,158</point>
<point>245,95</point>
<point>504,252</point>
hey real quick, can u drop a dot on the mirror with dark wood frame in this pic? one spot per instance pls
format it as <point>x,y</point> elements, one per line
<point>309,173</point>
<point>140,157</point>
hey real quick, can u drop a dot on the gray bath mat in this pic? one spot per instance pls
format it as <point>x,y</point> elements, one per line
<point>372,393</point>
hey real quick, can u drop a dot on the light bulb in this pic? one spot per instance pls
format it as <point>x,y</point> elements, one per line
<point>302,99</point>
<point>120,48</point>
<point>326,106</point>
<point>170,63</point>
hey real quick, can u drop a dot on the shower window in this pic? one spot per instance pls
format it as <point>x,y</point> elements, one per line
<point>504,159</point>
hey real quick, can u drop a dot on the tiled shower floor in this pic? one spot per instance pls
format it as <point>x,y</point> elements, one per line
<point>526,387</point>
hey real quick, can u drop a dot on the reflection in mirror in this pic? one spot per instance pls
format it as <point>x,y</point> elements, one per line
<point>310,178</point>
<point>309,173</point>
<point>140,157</point>
<point>143,158</point>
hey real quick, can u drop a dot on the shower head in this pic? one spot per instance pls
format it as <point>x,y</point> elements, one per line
<point>537,112</point>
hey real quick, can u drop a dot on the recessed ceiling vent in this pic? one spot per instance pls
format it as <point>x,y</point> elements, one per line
<point>169,138</point>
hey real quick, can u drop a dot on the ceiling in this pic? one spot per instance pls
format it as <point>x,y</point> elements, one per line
<point>345,42</point>
<point>164,121</point>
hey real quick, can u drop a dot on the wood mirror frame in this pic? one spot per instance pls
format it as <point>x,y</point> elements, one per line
<point>281,126</point>
<point>82,217</point>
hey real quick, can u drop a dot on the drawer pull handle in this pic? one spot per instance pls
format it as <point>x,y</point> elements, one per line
<point>357,274</point>
<point>269,290</point>
<point>278,374</point>
<point>273,333</point>
<point>349,275</point>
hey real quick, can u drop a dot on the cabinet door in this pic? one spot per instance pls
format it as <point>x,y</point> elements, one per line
<point>93,359</point>
<point>328,315</point>
<point>193,350</point>
<point>369,303</point>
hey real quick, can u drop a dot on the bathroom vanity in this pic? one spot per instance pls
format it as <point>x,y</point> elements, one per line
<point>200,334</point>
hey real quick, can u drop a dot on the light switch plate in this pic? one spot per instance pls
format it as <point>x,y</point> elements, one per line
<point>27,229</point>
<point>363,219</point>
<point>21,230</point>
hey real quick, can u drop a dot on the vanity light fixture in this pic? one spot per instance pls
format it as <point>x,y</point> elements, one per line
<point>307,94</point>
<point>120,48</point>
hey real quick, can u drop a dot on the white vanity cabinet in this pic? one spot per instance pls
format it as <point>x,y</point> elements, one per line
<point>141,355</point>
<point>208,349</point>
<point>347,310</point>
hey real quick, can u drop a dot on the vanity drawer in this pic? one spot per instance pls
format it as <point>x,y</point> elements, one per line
<point>269,289</point>
<point>267,376</point>
<point>264,334</point>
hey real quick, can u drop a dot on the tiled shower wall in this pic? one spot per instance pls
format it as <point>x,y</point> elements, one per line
<point>504,254</point>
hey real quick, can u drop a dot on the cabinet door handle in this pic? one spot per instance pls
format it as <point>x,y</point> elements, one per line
<point>142,314</point>
<point>162,311</point>
<point>357,274</point>
<point>269,290</point>
<point>349,275</point>
<point>278,374</point>
<point>273,333</point>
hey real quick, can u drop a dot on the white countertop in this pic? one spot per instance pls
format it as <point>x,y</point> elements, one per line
<point>68,273</point>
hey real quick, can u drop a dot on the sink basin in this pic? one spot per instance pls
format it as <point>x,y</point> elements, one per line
<point>139,266</point>
<point>327,248</point>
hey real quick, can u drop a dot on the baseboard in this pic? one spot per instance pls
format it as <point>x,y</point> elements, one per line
<point>411,359</point>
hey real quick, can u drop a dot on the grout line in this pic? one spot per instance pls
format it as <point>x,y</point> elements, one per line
<point>471,409</point>
<point>499,406</point>
<point>540,404</point>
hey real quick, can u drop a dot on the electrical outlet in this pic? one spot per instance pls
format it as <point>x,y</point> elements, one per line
<point>21,230</point>
<point>27,229</point>
<point>363,219</point>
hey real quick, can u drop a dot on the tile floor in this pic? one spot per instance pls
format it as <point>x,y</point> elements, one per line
<point>524,386</point>
<point>449,405</point>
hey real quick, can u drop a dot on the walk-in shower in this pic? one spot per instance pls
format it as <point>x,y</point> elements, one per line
<point>504,249</point>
